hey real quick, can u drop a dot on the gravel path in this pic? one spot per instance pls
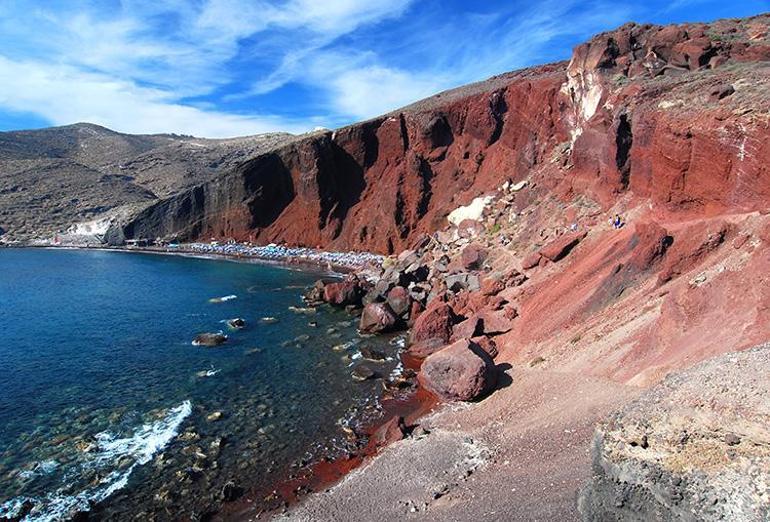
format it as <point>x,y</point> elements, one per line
<point>521,454</point>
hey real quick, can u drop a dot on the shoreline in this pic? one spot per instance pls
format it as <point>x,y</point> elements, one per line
<point>317,477</point>
<point>320,475</point>
<point>315,261</point>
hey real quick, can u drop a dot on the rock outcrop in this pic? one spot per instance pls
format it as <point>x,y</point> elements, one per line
<point>695,447</point>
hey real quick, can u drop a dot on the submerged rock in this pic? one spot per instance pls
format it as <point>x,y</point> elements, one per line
<point>459,372</point>
<point>236,323</point>
<point>209,339</point>
<point>371,354</point>
<point>363,373</point>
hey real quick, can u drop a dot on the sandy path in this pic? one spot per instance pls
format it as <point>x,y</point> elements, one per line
<point>521,454</point>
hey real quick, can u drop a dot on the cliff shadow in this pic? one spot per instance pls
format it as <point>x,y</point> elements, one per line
<point>268,189</point>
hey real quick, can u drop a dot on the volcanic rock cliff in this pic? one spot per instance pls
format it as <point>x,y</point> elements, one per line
<point>672,118</point>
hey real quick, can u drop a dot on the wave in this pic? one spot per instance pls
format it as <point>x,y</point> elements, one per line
<point>223,298</point>
<point>111,450</point>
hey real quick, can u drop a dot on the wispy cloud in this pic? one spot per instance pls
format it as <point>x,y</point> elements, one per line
<point>227,67</point>
<point>136,69</point>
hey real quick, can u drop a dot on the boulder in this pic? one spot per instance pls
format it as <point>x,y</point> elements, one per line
<point>471,327</point>
<point>392,431</point>
<point>459,372</point>
<point>470,228</point>
<point>442,263</point>
<point>531,261</point>
<point>378,318</point>
<point>316,294</point>
<point>496,322</point>
<point>362,373</point>
<point>463,281</point>
<point>236,323</point>
<point>492,286</point>
<point>424,348</point>
<point>560,247</point>
<point>487,344</point>
<point>370,354</point>
<point>435,322</point>
<point>399,300</point>
<point>209,339</point>
<point>343,293</point>
<point>473,257</point>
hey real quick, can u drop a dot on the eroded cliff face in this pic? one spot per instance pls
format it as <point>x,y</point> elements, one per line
<point>674,117</point>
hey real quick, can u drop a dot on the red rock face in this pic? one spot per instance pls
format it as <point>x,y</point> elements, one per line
<point>666,126</point>
<point>628,115</point>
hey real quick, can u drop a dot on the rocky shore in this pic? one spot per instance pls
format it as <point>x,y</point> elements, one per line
<point>558,244</point>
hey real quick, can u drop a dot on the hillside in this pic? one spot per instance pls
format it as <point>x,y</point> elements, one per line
<point>52,179</point>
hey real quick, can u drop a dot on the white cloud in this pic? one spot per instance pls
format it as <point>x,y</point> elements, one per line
<point>358,87</point>
<point>133,67</point>
<point>178,66</point>
<point>66,95</point>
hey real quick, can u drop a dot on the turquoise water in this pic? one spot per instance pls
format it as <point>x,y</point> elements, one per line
<point>105,405</point>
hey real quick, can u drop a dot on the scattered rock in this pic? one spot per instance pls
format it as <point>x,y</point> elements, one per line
<point>459,372</point>
<point>531,260</point>
<point>213,417</point>
<point>426,347</point>
<point>370,354</point>
<point>434,323</point>
<point>559,248</point>
<point>721,91</point>
<point>363,373</point>
<point>236,323</point>
<point>209,339</point>
<point>378,318</point>
<point>399,300</point>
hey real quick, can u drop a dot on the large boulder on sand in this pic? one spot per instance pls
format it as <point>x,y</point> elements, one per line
<point>460,372</point>
<point>434,323</point>
<point>377,318</point>
<point>695,447</point>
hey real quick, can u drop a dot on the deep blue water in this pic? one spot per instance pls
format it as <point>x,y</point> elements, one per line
<point>102,395</point>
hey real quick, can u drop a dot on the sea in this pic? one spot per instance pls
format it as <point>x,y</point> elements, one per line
<point>108,409</point>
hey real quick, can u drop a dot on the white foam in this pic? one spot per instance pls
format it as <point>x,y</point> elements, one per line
<point>223,298</point>
<point>140,448</point>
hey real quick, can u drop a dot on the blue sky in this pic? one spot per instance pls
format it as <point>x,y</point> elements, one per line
<point>221,68</point>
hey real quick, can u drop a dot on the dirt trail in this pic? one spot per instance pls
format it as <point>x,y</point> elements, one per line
<point>520,454</point>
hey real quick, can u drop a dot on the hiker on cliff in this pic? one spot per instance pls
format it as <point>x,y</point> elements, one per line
<point>617,222</point>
